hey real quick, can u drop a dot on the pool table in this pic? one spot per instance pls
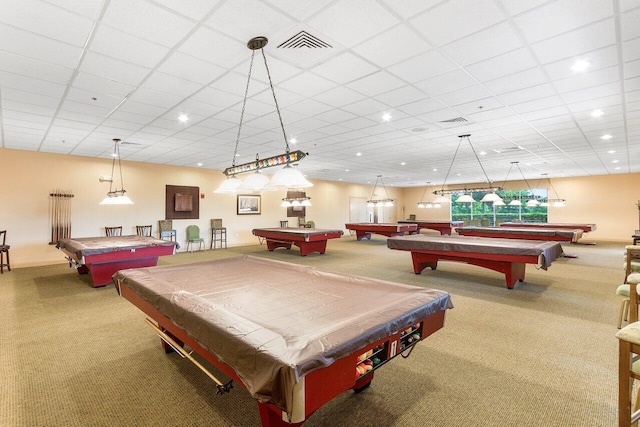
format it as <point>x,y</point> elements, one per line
<point>293,336</point>
<point>542,233</point>
<point>364,230</point>
<point>507,256</point>
<point>586,228</point>
<point>307,239</point>
<point>103,256</point>
<point>444,227</point>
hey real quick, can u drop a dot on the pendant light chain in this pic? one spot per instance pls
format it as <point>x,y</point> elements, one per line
<point>275,100</point>
<point>119,167</point>
<point>244,103</point>
<point>478,159</point>
<point>451,165</point>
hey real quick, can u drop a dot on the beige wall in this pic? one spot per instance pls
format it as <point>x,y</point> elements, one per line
<point>32,176</point>
<point>608,201</point>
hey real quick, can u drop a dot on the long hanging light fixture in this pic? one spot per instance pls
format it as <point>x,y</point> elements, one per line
<point>532,201</point>
<point>428,205</point>
<point>555,202</point>
<point>491,195</point>
<point>288,177</point>
<point>375,201</point>
<point>116,197</point>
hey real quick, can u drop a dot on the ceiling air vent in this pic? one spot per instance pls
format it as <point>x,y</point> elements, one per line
<point>456,120</point>
<point>303,39</point>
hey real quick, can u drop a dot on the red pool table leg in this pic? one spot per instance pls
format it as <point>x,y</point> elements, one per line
<point>273,418</point>
<point>82,269</point>
<point>271,245</point>
<point>422,261</point>
<point>308,247</point>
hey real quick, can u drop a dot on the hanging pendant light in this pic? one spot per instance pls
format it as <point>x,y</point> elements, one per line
<point>375,201</point>
<point>288,177</point>
<point>491,196</point>
<point>116,197</point>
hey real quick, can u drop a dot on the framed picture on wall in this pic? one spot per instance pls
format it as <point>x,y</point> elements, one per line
<point>248,205</point>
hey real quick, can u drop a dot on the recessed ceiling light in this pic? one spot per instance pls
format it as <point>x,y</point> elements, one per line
<point>358,154</point>
<point>435,170</point>
<point>403,163</point>
<point>597,113</point>
<point>346,170</point>
<point>611,151</point>
<point>580,65</point>
<point>615,161</point>
<point>293,140</point>
<point>386,117</point>
<point>617,168</point>
<point>606,137</point>
<point>183,118</point>
<point>483,153</point>
<point>199,164</point>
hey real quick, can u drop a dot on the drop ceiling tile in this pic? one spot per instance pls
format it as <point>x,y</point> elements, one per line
<point>339,96</point>
<point>8,105</point>
<point>587,80</point>
<point>599,59</point>
<point>169,84</point>
<point>461,17</point>
<point>257,18</point>
<point>308,85</point>
<point>113,69</point>
<point>376,83</point>
<point>126,47</point>
<point>41,48</point>
<point>422,107</point>
<point>560,17</point>
<point>488,43</point>
<point>351,22</point>
<point>609,89</point>
<point>45,19</point>
<point>194,9</point>
<point>448,82</point>
<point>100,86</point>
<point>217,48</point>
<point>26,67</point>
<point>517,81</point>
<point>427,65</point>
<point>629,24</point>
<point>345,68</point>
<point>147,21</point>
<point>384,49</point>
<point>576,44</point>
<point>401,96</point>
<point>462,96</point>
<point>502,65</point>
<point>29,98</point>
<point>528,94</point>
<point>299,10</point>
<point>155,98</point>
<point>632,69</point>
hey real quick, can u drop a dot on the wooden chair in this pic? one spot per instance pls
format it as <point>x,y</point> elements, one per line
<point>113,231</point>
<point>412,217</point>
<point>193,236</point>
<point>143,230</point>
<point>284,224</point>
<point>4,249</point>
<point>218,233</point>
<point>628,371</point>
<point>166,229</point>
<point>631,280</point>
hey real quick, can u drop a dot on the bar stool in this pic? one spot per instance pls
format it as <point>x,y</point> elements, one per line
<point>628,370</point>
<point>4,249</point>
<point>218,233</point>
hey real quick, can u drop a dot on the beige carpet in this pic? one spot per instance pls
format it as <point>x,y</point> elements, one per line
<point>543,354</point>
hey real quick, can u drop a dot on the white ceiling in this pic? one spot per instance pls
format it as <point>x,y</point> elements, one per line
<point>74,74</point>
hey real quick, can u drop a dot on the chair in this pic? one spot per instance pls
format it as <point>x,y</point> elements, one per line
<point>284,224</point>
<point>631,277</point>
<point>485,223</point>
<point>302,222</point>
<point>166,229</point>
<point>143,230</point>
<point>311,224</point>
<point>412,217</point>
<point>113,231</point>
<point>628,371</point>
<point>4,248</point>
<point>218,234</point>
<point>193,236</point>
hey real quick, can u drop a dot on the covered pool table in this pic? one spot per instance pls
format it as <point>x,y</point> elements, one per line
<point>307,239</point>
<point>293,336</point>
<point>364,230</point>
<point>507,256</point>
<point>103,256</point>
<point>542,233</point>
<point>444,227</point>
<point>586,228</point>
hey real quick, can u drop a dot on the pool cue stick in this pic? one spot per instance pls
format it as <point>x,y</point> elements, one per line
<point>221,387</point>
